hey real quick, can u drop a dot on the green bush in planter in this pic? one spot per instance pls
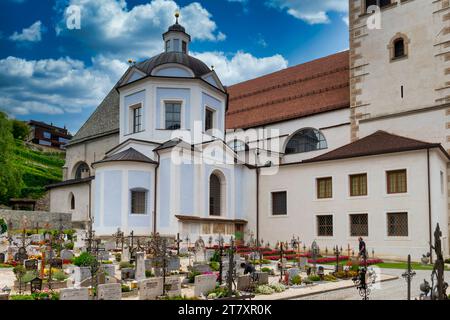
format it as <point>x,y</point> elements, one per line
<point>84,260</point>
<point>126,288</point>
<point>149,274</point>
<point>125,264</point>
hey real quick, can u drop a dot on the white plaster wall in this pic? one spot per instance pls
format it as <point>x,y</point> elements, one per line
<point>60,201</point>
<point>300,183</point>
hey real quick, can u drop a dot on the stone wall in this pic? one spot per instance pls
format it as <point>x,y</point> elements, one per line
<point>32,217</point>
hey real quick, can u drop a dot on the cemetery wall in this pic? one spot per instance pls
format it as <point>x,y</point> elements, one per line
<point>33,217</point>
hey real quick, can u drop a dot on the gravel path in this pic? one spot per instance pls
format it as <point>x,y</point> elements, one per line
<point>390,290</point>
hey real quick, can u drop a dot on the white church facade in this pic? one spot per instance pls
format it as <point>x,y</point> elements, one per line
<point>354,144</point>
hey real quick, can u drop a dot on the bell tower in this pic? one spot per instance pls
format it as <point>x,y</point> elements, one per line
<point>399,58</point>
<point>176,39</point>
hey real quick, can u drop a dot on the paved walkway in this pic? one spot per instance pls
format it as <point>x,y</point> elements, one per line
<point>390,290</point>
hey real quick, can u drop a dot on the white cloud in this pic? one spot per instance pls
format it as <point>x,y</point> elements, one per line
<point>310,11</point>
<point>241,66</point>
<point>110,26</point>
<point>31,34</point>
<point>52,86</point>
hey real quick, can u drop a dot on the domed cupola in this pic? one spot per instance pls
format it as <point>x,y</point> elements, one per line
<point>176,39</point>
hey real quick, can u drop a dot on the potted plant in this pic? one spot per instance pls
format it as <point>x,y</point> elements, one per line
<point>239,238</point>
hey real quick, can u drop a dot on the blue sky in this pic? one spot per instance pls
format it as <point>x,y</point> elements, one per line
<point>53,74</point>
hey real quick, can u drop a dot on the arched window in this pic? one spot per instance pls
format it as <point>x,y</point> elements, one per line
<point>72,201</point>
<point>215,195</point>
<point>306,140</point>
<point>82,171</point>
<point>398,47</point>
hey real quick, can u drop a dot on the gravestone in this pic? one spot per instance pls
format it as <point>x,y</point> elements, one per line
<point>36,238</point>
<point>293,272</point>
<point>80,274</point>
<point>109,269</point>
<point>201,267</point>
<point>67,254</point>
<point>140,266</point>
<point>74,294</point>
<point>21,255</point>
<point>56,263</point>
<point>36,285</point>
<point>103,255</point>
<point>243,282</point>
<point>262,278</point>
<point>204,284</point>
<point>127,274</point>
<point>112,291</point>
<point>31,264</point>
<point>173,286</point>
<point>110,245</point>
<point>2,258</point>
<point>150,289</point>
<point>4,296</point>
<point>148,264</point>
<point>173,263</point>
<point>101,279</point>
<point>125,255</point>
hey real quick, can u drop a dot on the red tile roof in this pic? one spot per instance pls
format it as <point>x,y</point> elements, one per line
<point>314,87</point>
<point>380,142</point>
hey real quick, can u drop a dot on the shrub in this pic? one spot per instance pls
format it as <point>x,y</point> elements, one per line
<point>28,276</point>
<point>118,257</point>
<point>447,261</point>
<point>125,264</point>
<point>215,257</point>
<point>59,275</point>
<point>215,266</point>
<point>266,269</point>
<point>329,277</point>
<point>278,287</point>
<point>149,274</point>
<point>264,289</point>
<point>84,260</point>
<point>297,280</point>
<point>21,297</point>
<point>19,271</point>
<point>69,246</point>
<point>314,278</point>
<point>126,288</point>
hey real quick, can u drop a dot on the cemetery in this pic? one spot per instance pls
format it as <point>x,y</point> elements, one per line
<point>65,264</point>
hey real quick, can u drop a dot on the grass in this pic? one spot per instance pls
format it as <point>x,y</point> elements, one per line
<point>395,265</point>
<point>38,169</point>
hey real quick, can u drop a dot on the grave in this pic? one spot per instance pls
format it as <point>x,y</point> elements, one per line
<point>111,291</point>
<point>140,266</point>
<point>109,269</point>
<point>148,264</point>
<point>56,263</point>
<point>67,254</point>
<point>31,264</point>
<point>127,274</point>
<point>173,286</point>
<point>201,267</point>
<point>150,289</point>
<point>204,284</point>
<point>173,263</point>
<point>110,245</point>
<point>80,274</point>
<point>74,294</point>
<point>2,257</point>
<point>243,282</point>
<point>209,254</point>
<point>262,278</point>
<point>125,254</point>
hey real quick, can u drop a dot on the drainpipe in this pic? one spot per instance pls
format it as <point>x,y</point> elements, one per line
<point>430,232</point>
<point>90,201</point>
<point>257,204</point>
<point>155,201</point>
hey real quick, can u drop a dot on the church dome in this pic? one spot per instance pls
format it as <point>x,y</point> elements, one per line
<point>198,67</point>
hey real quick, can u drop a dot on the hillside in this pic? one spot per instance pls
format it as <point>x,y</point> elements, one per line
<point>38,169</point>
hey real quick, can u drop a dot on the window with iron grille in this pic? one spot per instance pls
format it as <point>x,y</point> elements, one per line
<point>173,115</point>
<point>396,182</point>
<point>138,202</point>
<point>324,188</point>
<point>359,225</point>
<point>397,224</point>
<point>358,185</point>
<point>279,205</point>
<point>325,226</point>
<point>137,119</point>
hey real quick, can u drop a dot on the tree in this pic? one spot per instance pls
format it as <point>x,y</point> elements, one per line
<point>20,129</point>
<point>10,176</point>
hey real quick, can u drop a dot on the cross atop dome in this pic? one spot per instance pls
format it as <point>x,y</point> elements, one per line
<point>176,39</point>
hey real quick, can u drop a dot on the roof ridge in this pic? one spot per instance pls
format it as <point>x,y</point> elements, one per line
<point>408,138</point>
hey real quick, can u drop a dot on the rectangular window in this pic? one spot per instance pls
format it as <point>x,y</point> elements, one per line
<point>176,45</point>
<point>358,185</point>
<point>167,45</point>
<point>324,188</point>
<point>279,203</point>
<point>397,224</point>
<point>47,135</point>
<point>137,119</point>
<point>396,182</point>
<point>359,225</point>
<point>138,202</point>
<point>184,46</point>
<point>442,183</point>
<point>325,226</point>
<point>209,119</point>
<point>173,115</point>
<point>380,3</point>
